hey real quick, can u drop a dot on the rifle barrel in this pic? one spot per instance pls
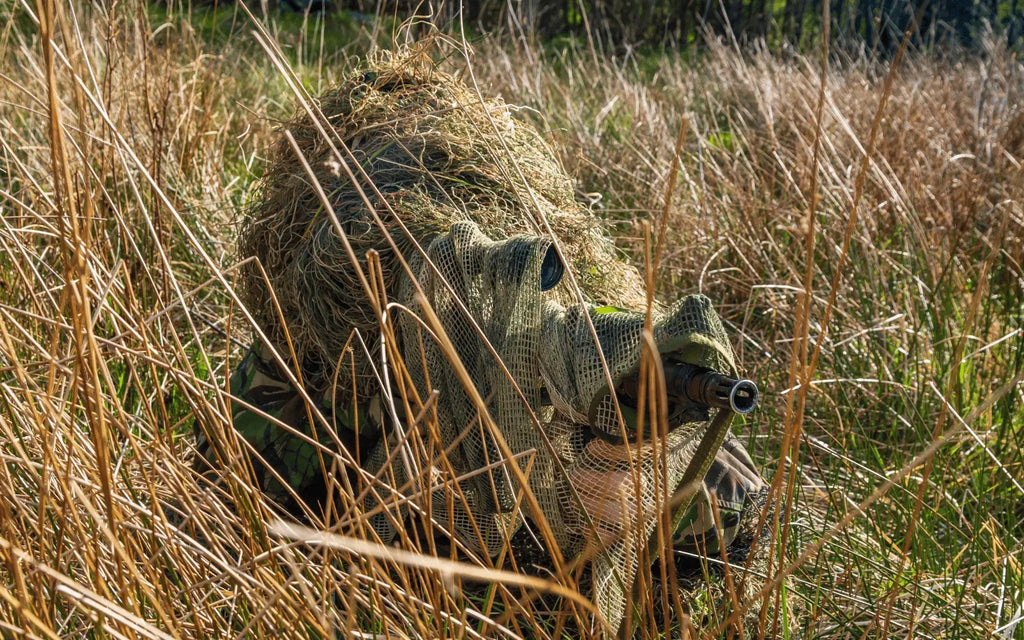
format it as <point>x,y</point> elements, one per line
<point>709,388</point>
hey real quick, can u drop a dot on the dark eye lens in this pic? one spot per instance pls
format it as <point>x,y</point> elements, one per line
<point>551,270</point>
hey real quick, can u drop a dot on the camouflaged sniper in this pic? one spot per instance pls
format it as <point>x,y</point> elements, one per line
<point>467,182</point>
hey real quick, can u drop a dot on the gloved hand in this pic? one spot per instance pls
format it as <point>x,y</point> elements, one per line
<point>732,479</point>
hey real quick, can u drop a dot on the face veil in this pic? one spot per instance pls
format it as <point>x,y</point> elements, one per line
<point>534,364</point>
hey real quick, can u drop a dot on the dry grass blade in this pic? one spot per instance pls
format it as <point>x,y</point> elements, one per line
<point>132,139</point>
<point>446,568</point>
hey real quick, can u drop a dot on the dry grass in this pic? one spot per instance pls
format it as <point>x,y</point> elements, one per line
<point>127,150</point>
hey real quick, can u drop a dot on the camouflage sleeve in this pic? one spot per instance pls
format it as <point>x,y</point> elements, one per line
<point>271,416</point>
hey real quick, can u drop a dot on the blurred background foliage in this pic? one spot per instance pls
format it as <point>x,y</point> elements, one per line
<point>874,26</point>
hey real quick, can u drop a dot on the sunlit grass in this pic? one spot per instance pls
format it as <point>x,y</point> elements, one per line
<point>118,324</point>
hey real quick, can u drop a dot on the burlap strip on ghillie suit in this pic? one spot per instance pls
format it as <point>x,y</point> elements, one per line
<point>470,184</point>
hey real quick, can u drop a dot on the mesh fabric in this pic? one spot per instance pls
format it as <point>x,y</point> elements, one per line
<point>590,491</point>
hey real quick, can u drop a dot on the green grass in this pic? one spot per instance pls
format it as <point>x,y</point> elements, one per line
<point>926,327</point>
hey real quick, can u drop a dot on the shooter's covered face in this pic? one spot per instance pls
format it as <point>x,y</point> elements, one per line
<point>500,298</point>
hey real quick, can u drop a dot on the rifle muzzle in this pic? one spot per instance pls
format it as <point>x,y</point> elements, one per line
<point>704,387</point>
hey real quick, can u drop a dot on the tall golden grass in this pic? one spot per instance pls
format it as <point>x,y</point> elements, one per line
<point>888,342</point>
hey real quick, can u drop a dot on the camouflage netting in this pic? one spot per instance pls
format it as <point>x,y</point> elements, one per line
<point>470,184</point>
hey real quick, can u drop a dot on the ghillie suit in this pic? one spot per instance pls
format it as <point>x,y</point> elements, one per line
<point>453,206</point>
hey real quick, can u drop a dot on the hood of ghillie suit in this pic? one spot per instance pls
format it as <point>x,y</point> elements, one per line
<point>460,190</point>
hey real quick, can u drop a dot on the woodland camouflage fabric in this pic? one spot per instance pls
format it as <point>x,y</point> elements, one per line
<point>275,421</point>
